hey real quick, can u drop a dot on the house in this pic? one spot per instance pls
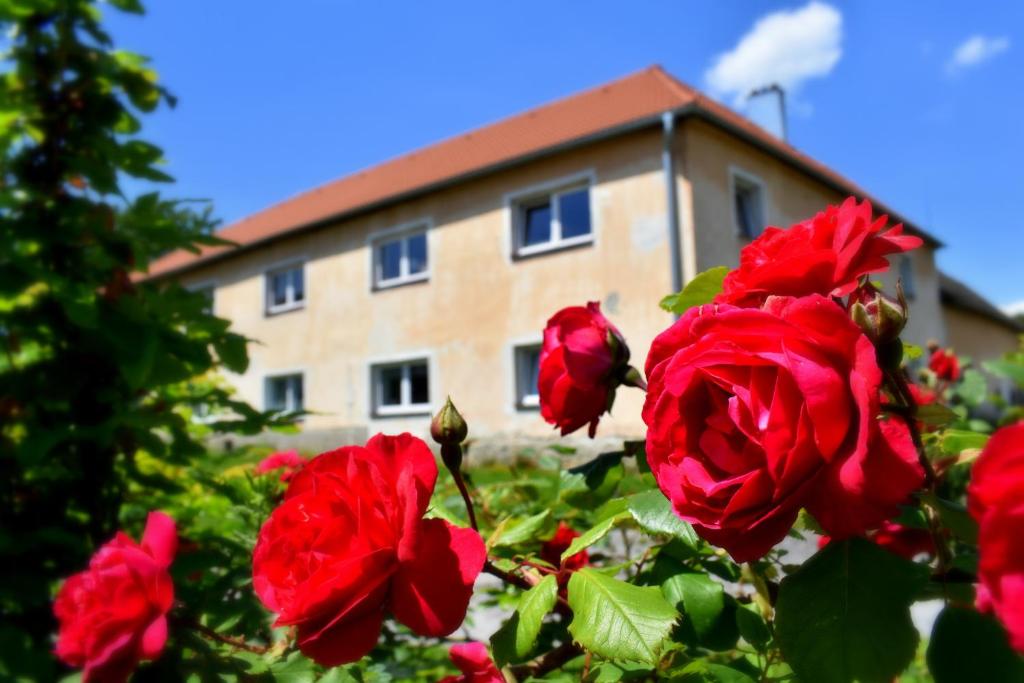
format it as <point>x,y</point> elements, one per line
<point>376,295</point>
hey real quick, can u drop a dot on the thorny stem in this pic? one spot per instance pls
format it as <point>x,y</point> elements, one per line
<point>208,632</point>
<point>548,662</point>
<point>461,484</point>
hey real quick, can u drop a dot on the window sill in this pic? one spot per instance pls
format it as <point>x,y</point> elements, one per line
<point>551,247</point>
<point>383,412</point>
<point>530,404</point>
<point>286,308</point>
<point>400,282</point>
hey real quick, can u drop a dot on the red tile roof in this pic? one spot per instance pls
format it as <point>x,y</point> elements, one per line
<point>637,99</point>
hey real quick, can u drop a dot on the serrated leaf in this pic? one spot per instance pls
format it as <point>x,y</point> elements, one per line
<point>618,620</point>
<point>653,511</point>
<point>844,616</point>
<point>522,530</point>
<point>700,290</point>
<point>517,636</point>
<point>752,626</point>
<point>703,671</point>
<point>968,646</point>
<point>593,534</point>
<point>935,414</point>
<point>701,597</point>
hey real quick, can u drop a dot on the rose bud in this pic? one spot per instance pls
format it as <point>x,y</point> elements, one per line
<point>475,664</point>
<point>289,462</point>
<point>449,429</point>
<point>583,360</point>
<point>114,614</point>
<point>880,317</point>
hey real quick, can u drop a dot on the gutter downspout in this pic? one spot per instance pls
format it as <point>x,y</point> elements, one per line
<point>668,121</point>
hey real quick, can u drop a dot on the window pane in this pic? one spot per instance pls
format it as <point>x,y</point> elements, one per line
<point>298,284</point>
<point>417,246</point>
<point>277,393</point>
<point>278,289</point>
<point>574,213</point>
<point>748,210</point>
<point>907,277</point>
<point>390,386</point>
<point>298,400</point>
<point>418,380</point>
<point>536,225</point>
<point>527,371</point>
<point>390,263</point>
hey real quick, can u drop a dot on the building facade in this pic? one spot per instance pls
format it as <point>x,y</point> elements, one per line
<point>374,297</point>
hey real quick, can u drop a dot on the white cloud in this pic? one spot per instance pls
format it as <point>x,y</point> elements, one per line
<point>975,50</point>
<point>1016,308</point>
<point>786,47</point>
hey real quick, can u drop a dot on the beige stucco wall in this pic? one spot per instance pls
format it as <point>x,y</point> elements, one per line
<point>976,336</point>
<point>477,303</point>
<point>790,196</point>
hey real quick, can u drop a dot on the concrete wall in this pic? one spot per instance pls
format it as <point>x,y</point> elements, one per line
<point>476,304</point>
<point>977,336</point>
<point>791,196</point>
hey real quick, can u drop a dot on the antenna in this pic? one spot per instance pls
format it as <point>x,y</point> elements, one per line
<point>775,89</point>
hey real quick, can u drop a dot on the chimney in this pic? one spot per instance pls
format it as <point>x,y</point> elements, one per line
<point>766,107</point>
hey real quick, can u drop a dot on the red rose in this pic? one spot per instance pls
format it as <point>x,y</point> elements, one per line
<point>755,413</point>
<point>945,365</point>
<point>289,461</point>
<point>113,615</point>
<point>349,543</point>
<point>475,664</point>
<point>552,549</point>
<point>824,255</point>
<point>582,356</point>
<point>995,498</point>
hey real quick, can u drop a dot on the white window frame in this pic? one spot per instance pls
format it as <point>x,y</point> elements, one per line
<point>747,178</point>
<point>289,392</point>
<point>399,233</point>
<point>406,407</point>
<point>291,304</point>
<point>522,400</point>
<point>520,201</point>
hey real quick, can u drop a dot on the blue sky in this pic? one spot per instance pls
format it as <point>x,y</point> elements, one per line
<point>920,103</point>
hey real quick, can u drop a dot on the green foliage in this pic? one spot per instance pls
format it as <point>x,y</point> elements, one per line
<point>618,620</point>
<point>845,614</point>
<point>968,646</point>
<point>700,290</point>
<point>653,512</point>
<point>518,636</point>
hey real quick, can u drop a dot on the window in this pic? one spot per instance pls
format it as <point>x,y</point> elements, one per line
<point>283,393</point>
<point>286,289</point>
<point>401,388</point>
<point>748,204</point>
<point>552,220</point>
<point>527,366</point>
<point>907,277</point>
<point>400,260</point>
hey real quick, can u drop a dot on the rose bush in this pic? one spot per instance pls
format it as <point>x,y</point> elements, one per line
<point>755,413</point>
<point>114,614</point>
<point>349,544</point>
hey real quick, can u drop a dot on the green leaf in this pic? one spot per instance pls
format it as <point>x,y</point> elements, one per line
<point>955,441</point>
<point>954,517</point>
<point>701,597</point>
<point>295,669</point>
<point>523,530</point>
<point>592,483</point>
<point>517,636</point>
<point>593,534</point>
<point>973,388</point>
<point>700,290</point>
<point>703,671</point>
<point>752,626</point>
<point>935,415</point>
<point>968,646</point>
<point>845,614</point>
<point>618,620</point>
<point>653,511</point>
<point>232,351</point>
<point>1005,368</point>
<point>911,351</point>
